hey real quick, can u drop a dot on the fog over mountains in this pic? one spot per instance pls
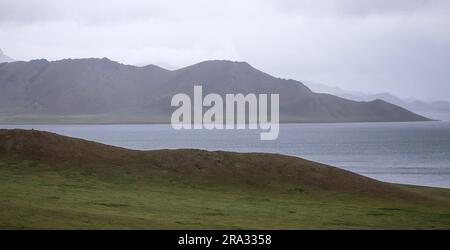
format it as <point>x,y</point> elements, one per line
<point>5,58</point>
<point>435,109</point>
<point>101,90</point>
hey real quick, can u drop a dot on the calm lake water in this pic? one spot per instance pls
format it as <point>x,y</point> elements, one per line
<point>414,153</point>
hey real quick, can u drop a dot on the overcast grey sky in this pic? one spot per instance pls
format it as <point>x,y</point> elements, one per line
<point>397,46</point>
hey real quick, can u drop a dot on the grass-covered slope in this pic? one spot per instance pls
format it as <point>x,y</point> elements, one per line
<point>52,181</point>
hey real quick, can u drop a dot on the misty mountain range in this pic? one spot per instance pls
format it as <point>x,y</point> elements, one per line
<point>5,58</point>
<point>103,91</point>
<point>435,109</point>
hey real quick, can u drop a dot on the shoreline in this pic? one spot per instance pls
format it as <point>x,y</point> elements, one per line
<point>168,123</point>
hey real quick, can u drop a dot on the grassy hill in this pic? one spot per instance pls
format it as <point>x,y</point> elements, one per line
<point>53,181</point>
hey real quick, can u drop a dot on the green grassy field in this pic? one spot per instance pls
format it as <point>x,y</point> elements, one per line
<point>35,196</point>
<point>49,181</point>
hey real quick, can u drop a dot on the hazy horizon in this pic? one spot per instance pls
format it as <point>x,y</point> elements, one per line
<point>400,47</point>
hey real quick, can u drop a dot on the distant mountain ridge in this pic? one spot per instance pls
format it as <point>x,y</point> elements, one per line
<point>101,90</point>
<point>435,109</point>
<point>5,58</point>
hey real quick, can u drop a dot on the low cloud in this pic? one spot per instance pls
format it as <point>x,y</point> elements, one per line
<point>400,46</point>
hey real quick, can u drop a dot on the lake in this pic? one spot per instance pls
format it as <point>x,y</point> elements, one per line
<point>411,153</point>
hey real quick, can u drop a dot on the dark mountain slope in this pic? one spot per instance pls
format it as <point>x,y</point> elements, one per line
<point>100,86</point>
